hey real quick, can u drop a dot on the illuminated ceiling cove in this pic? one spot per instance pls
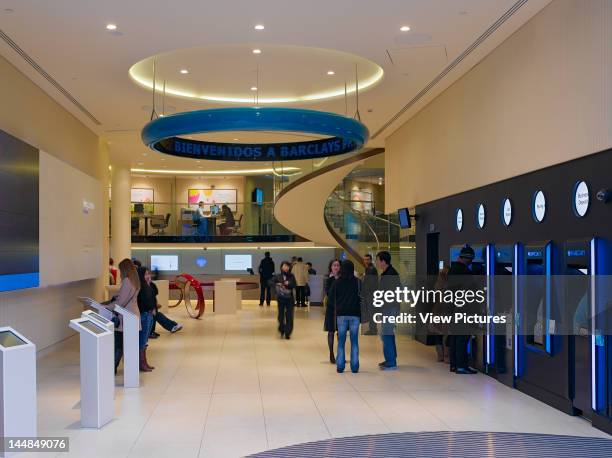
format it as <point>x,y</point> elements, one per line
<point>275,75</point>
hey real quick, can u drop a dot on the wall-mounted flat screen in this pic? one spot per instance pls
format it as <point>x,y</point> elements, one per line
<point>238,262</point>
<point>257,196</point>
<point>404,218</point>
<point>19,243</point>
<point>166,262</point>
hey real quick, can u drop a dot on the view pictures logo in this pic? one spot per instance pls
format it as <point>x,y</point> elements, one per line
<point>458,298</point>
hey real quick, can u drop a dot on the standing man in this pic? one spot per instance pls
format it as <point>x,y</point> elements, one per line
<point>460,277</point>
<point>284,283</point>
<point>389,281</point>
<point>369,285</point>
<point>300,271</point>
<point>266,271</point>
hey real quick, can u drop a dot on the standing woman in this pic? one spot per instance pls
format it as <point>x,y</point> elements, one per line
<point>284,284</point>
<point>333,272</point>
<point>126,298</point>
<point>147,304</point>
<point>345,294</point>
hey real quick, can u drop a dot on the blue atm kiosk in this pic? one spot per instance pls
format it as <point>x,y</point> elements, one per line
<point>502,271</point>
<point>601,338</point>
<point>477,346</point>
<point>578,272</point>
<point>542,353</point>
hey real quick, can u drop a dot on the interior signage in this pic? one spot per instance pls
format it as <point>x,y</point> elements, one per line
<point>539,206</point>
<point>507,212</point>
<point>459,220</point>
<point>178,146</point>
<point>480,216</point>
<point>581,199</point>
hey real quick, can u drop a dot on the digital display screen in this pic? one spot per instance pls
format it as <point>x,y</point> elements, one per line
<point>164,262</point>
<point>258,196</point>
<point>92,327</point>
<point>404,218</point>
<point>238,262</point>
<point>100,318</point>
<point>9,339</point>
<point>19,214</point>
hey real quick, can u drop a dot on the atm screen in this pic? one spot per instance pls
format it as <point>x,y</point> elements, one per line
<point>508,269</point>
<point>535,303</point>
<point>92,327</point>
<point>10,339</point>
<point>577,298</point>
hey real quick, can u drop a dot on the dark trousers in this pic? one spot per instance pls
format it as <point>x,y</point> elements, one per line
<point>285,316</point>
<point>458,351</point>
<point>300,296</point>
<point>118,348</point>
<point>265,292</point>
<point>164,321</point>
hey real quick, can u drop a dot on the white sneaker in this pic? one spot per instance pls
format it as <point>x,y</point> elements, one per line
<point>176,328</point>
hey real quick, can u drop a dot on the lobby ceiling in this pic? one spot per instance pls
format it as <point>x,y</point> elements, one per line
<point>214,42</point>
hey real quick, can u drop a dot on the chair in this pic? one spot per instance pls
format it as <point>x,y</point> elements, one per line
<point>237,228</point>
<point>160,223</point>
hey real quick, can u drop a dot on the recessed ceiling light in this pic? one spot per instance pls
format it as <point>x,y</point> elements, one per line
<point>257,51</point>
<point>405,28</point>
<point>259,27</point>
<point>235,139</point>
<point>331,73</point>
<point>163,159</point>
<point>111,26</point>
<point>145,154</point>
<point>184,71</point>
<point>253,88</point>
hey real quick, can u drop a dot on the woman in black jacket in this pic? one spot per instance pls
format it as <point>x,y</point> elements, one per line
<point>345,296</point>
<point>284,283</point>
<point>333,272</point>
<point>146,304</point>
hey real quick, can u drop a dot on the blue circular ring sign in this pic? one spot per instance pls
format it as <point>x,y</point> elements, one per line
<point>343,134</point>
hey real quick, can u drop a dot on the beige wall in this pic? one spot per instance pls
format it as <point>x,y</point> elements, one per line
<point>28,113</point>
<point>544,96</point>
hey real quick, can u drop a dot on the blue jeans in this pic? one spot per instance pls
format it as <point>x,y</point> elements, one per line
<point>389,349</point>
<point>146,323</point>
<point>350,324</point>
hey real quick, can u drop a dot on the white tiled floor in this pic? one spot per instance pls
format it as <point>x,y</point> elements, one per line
<point>228,386</point>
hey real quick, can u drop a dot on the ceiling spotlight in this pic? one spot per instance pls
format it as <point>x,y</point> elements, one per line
<point>257,51</point>
<point>184,71</point>
<point>405,28</point>
<point>235,139</point>
<point>111,26</point>
<point>259,27</point>
<point>331,73</point>
<point>253,88</point>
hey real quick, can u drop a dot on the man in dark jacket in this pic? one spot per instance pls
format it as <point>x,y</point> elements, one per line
<point>284,284</point>
<point>460,278</point>
<point>370,283</point>
<point>266,270</point>
<point>389,281</point>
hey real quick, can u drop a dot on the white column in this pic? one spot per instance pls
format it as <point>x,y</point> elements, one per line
<point>120,213</point>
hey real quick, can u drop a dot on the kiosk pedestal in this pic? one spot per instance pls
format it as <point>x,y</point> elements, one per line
<point>227,297</point>
<point>131,325</point>
<point>97,367</point>
<point>163,296</point>
<point>18,385</point>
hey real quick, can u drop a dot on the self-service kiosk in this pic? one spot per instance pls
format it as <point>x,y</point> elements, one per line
<point>97,368</point>
<point>601,334</point>
<point>578,295</point>
<point>17,385</point>
<point>501,275</point>
<point>543,349</point>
